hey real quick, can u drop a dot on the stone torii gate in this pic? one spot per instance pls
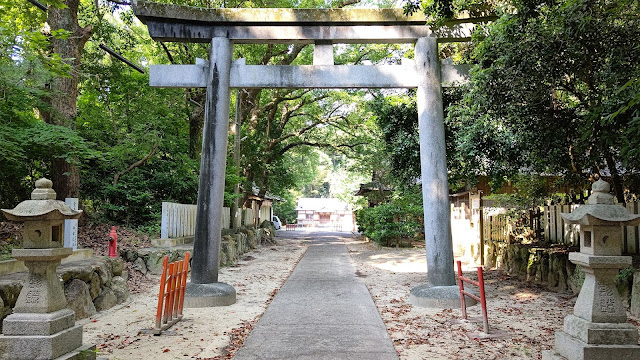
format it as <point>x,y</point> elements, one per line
<point>323,28</point>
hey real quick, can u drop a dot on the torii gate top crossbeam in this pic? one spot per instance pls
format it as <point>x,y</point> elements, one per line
<point>168,22</point>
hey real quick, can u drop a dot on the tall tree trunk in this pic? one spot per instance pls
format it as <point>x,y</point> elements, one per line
<point>64,90</point>
<point>615,177</point>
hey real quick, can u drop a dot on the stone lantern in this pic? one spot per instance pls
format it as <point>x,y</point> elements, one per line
<point>598,328</point>
<point>41,326</point>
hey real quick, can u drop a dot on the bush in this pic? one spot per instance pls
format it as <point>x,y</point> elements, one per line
<point>393,223</point>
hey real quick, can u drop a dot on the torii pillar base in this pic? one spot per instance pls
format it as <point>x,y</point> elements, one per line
<point>209,295</point>
<point>441,297</point>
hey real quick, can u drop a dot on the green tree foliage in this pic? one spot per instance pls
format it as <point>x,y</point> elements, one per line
<point>397,118</point>
<point>286,209</point>
<point>27,145</point>
<point>555,91</point>
<point>138,146</point>
<point>393,223</point>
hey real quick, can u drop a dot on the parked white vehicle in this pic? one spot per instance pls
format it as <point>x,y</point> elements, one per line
<point>276,222</point>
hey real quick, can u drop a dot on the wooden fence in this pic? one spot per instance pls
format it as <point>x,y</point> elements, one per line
<point>556,230</point>
<point>248,218</point>
<point>265,213</point>
<point>500,227</point>
<point>179,220</point>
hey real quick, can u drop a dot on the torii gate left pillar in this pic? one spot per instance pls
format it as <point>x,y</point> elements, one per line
<point>321,27</point>
<point>205,290</point>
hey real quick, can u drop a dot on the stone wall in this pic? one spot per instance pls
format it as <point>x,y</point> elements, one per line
<point>100,283</point>
<point>90,286</point>
<point>550,267</point>
<point>235,242</point>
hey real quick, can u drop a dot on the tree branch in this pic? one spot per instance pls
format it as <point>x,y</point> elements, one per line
<point>347,3</point>
<point>166,50</point>
<point>309,143</point>
<point>116,178</point>
<point>119,2</point>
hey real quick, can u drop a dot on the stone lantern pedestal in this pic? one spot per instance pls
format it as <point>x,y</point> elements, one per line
<point>598,328</point>
<point>41,326</point>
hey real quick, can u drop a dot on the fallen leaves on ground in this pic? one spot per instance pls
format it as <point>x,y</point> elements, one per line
<point>523,317</point>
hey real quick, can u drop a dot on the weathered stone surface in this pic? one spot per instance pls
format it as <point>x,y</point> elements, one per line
<point>251,237</point>
<point>443,297</point>
<point>140,265</point>
<point>154,262</point>
<point>41,347</point>
<point>28,324</point>
<point>4,311</point>
<point>635,294</point>
<point>572,348</point>
<point>94,285</point>
<point>624,287</point>
<point>10,286</point>
<point>231,232</point>
<point>601,333</point>
<point>223,256</point>
<point>78,271</point>
<point>228,246</point>
<point>120,289</point>
<point>220,16</point>
<point>598,327</point>
<point>129,255</point>
<point>575,279</point>
<point>208,295</point>
<point>42,292</point>
<point>103,269</point>
<point>106,300</point>
<point>117,266</point>
<point>267,225</point>
<point>242,244</point>
<point>78,299</point>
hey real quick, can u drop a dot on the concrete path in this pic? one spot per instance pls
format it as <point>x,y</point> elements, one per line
<point>323,311</point>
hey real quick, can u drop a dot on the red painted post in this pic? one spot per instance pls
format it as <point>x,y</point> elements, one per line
<point>176,301</point>
<point>483,301</point>
<point>184,282</point>
<point>169,299</point>
<point>463,303</point>
<point>163,278</point>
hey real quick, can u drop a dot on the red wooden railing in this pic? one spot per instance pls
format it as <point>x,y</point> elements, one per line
<point>481,299</point>
<point>173,283</point>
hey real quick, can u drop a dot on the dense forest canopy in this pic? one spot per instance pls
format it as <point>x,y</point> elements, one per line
<point>555,90</point>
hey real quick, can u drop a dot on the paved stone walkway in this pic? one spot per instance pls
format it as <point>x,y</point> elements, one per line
<point>323,311</point>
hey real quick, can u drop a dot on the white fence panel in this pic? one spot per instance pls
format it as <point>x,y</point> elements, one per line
<point>226,218</point>
<point>179,220</point>
<point>248,217</point>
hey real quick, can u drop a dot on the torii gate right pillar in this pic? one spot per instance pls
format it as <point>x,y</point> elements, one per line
<point>440,289</point>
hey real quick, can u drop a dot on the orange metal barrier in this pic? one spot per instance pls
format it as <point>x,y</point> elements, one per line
<point>290,227</point>
<point>173,283</point>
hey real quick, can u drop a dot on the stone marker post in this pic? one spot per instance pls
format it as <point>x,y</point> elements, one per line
<point>41,326</point>
<point>71,226</point>
<point>441,289</point>
<point>204,290</point>
<point>598,328</point>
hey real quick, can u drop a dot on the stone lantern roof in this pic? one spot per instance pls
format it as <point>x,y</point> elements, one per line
<point>42,206</point>
<point>601,210</point>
